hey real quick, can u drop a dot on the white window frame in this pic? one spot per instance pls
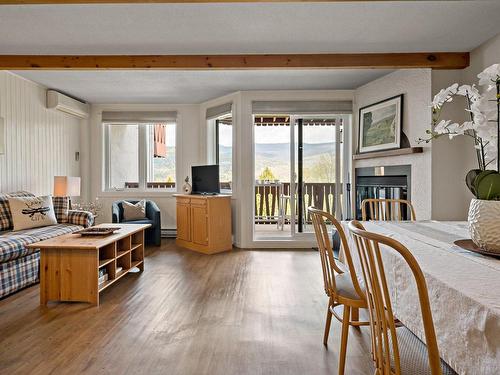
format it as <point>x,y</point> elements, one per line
<point>143,151</point>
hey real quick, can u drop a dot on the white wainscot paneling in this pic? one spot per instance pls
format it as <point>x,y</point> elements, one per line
<point>39,143</point>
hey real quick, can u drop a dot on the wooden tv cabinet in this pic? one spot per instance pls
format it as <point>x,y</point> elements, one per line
<point>204,222</point>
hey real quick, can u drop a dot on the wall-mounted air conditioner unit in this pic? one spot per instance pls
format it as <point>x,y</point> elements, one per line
<point>63,103</point>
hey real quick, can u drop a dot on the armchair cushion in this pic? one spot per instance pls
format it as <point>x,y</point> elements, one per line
<point>135,211</point>
<point>153,217</point>
<point>141,221</point>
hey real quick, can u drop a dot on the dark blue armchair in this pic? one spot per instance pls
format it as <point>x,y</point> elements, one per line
<point>153,234</point>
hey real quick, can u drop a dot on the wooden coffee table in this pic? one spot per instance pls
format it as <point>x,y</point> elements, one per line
<point>69,264</point>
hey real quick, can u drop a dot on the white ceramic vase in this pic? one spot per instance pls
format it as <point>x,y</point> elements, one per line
<point>484,224</point>
<point>186,188</point>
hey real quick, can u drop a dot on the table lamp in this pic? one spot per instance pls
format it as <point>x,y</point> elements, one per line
<point>65,186</point>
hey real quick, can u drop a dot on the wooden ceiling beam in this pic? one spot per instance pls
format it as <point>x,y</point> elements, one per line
<point>56,2</point>
<point>438,60</point>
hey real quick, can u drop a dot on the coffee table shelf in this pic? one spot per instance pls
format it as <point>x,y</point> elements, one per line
<point>103,262</point>
<point>121,253</point>
<point>70,264</point>
<point>136,263</point>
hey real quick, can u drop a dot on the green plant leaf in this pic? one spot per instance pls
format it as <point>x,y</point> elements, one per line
<point>480,176</point>
<point>488,186</point>
<point>469,180</point>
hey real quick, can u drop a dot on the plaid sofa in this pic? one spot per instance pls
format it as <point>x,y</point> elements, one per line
<point>19,266</point>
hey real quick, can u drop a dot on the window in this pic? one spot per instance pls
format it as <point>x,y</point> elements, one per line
<point>224,151</point>
<point>123,155</point>
<point>140,156</point>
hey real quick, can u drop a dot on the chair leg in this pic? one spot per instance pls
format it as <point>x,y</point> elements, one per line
<point>327,324</point>
<point>343,340</point>
<point>355,316</point>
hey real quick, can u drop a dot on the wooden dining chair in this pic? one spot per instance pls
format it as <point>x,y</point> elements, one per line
<point>340,281</point>
<point>386,209</point>
<point>395,351</point>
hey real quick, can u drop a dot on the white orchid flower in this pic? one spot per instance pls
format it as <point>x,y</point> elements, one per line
<point>470,91</point>
<point>441,128</point>
<point>489,75</point>
<point>444,96</point>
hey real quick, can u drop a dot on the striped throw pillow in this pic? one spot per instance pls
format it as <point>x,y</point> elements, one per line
<point>61,208</point>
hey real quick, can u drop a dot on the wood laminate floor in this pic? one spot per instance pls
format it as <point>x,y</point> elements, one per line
<point>241,312</point>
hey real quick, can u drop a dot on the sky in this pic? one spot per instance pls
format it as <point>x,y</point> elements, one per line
<point>281,134</point>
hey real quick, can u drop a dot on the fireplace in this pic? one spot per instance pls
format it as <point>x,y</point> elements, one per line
<point>392,181</point>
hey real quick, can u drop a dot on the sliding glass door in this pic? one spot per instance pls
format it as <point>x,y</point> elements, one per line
<point>299,162</point>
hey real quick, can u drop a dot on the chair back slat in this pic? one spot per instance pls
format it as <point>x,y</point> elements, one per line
<point>386,209</point>
<point>382,327</point>
<point>319,219</point>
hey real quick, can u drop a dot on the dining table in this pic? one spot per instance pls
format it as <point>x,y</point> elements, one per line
<point>463,286</point>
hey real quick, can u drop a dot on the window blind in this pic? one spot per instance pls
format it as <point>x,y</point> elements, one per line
<point>217,111</point>
<point>138,117</point>
<point>302,107</point>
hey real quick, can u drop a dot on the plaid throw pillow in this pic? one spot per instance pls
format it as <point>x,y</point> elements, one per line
<point>5,215</point>
<point>61,208</point>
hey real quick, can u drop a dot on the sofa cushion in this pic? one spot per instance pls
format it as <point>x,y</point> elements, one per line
<point>5,216</point>
<point>44,233</point>
<point>12,244</point>
<point>32,212</point>
<point>13,247</point>
<point>61,208</point>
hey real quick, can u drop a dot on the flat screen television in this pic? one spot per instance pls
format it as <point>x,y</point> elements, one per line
<point>205,179</point>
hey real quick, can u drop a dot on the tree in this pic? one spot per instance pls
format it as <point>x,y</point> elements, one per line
<point>323,170</point>
<point>267,174</point>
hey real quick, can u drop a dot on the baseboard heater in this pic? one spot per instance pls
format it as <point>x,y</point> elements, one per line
<point>169,233</point>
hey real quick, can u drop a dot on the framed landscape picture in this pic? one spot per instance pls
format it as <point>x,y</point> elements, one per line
<point>380,125</point>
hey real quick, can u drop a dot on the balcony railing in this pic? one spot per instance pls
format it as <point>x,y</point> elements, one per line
<point>267,200</point>
<point>151,185</point>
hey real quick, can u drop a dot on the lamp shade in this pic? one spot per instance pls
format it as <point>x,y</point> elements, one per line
<point>65,186</point>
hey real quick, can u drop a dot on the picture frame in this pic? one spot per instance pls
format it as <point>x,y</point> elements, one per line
<point>380,125</point>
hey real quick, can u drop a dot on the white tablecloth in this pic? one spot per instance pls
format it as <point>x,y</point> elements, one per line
<point>464,291</point>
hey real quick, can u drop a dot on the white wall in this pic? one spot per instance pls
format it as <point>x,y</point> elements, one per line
<point>206,155</point>
<point>483,56</point>
<point>415,84</point>
<point>450,196</point>
<point>452,159</point>
<point>187,154</point>
<point>40,143</point>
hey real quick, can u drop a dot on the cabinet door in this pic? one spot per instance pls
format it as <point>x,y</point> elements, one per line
<point>183,222</point>
<point>199,224</point>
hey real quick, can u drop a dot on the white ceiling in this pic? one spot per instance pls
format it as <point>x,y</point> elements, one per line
<point>382,26</point>
<point>183,87</point>
<point>404,26</point>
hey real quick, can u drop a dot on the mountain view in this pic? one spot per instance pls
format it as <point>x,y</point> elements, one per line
<point>164,168</point>
<point>319,162</point>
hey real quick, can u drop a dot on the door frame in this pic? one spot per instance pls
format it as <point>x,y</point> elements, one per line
<point>296,167</point>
